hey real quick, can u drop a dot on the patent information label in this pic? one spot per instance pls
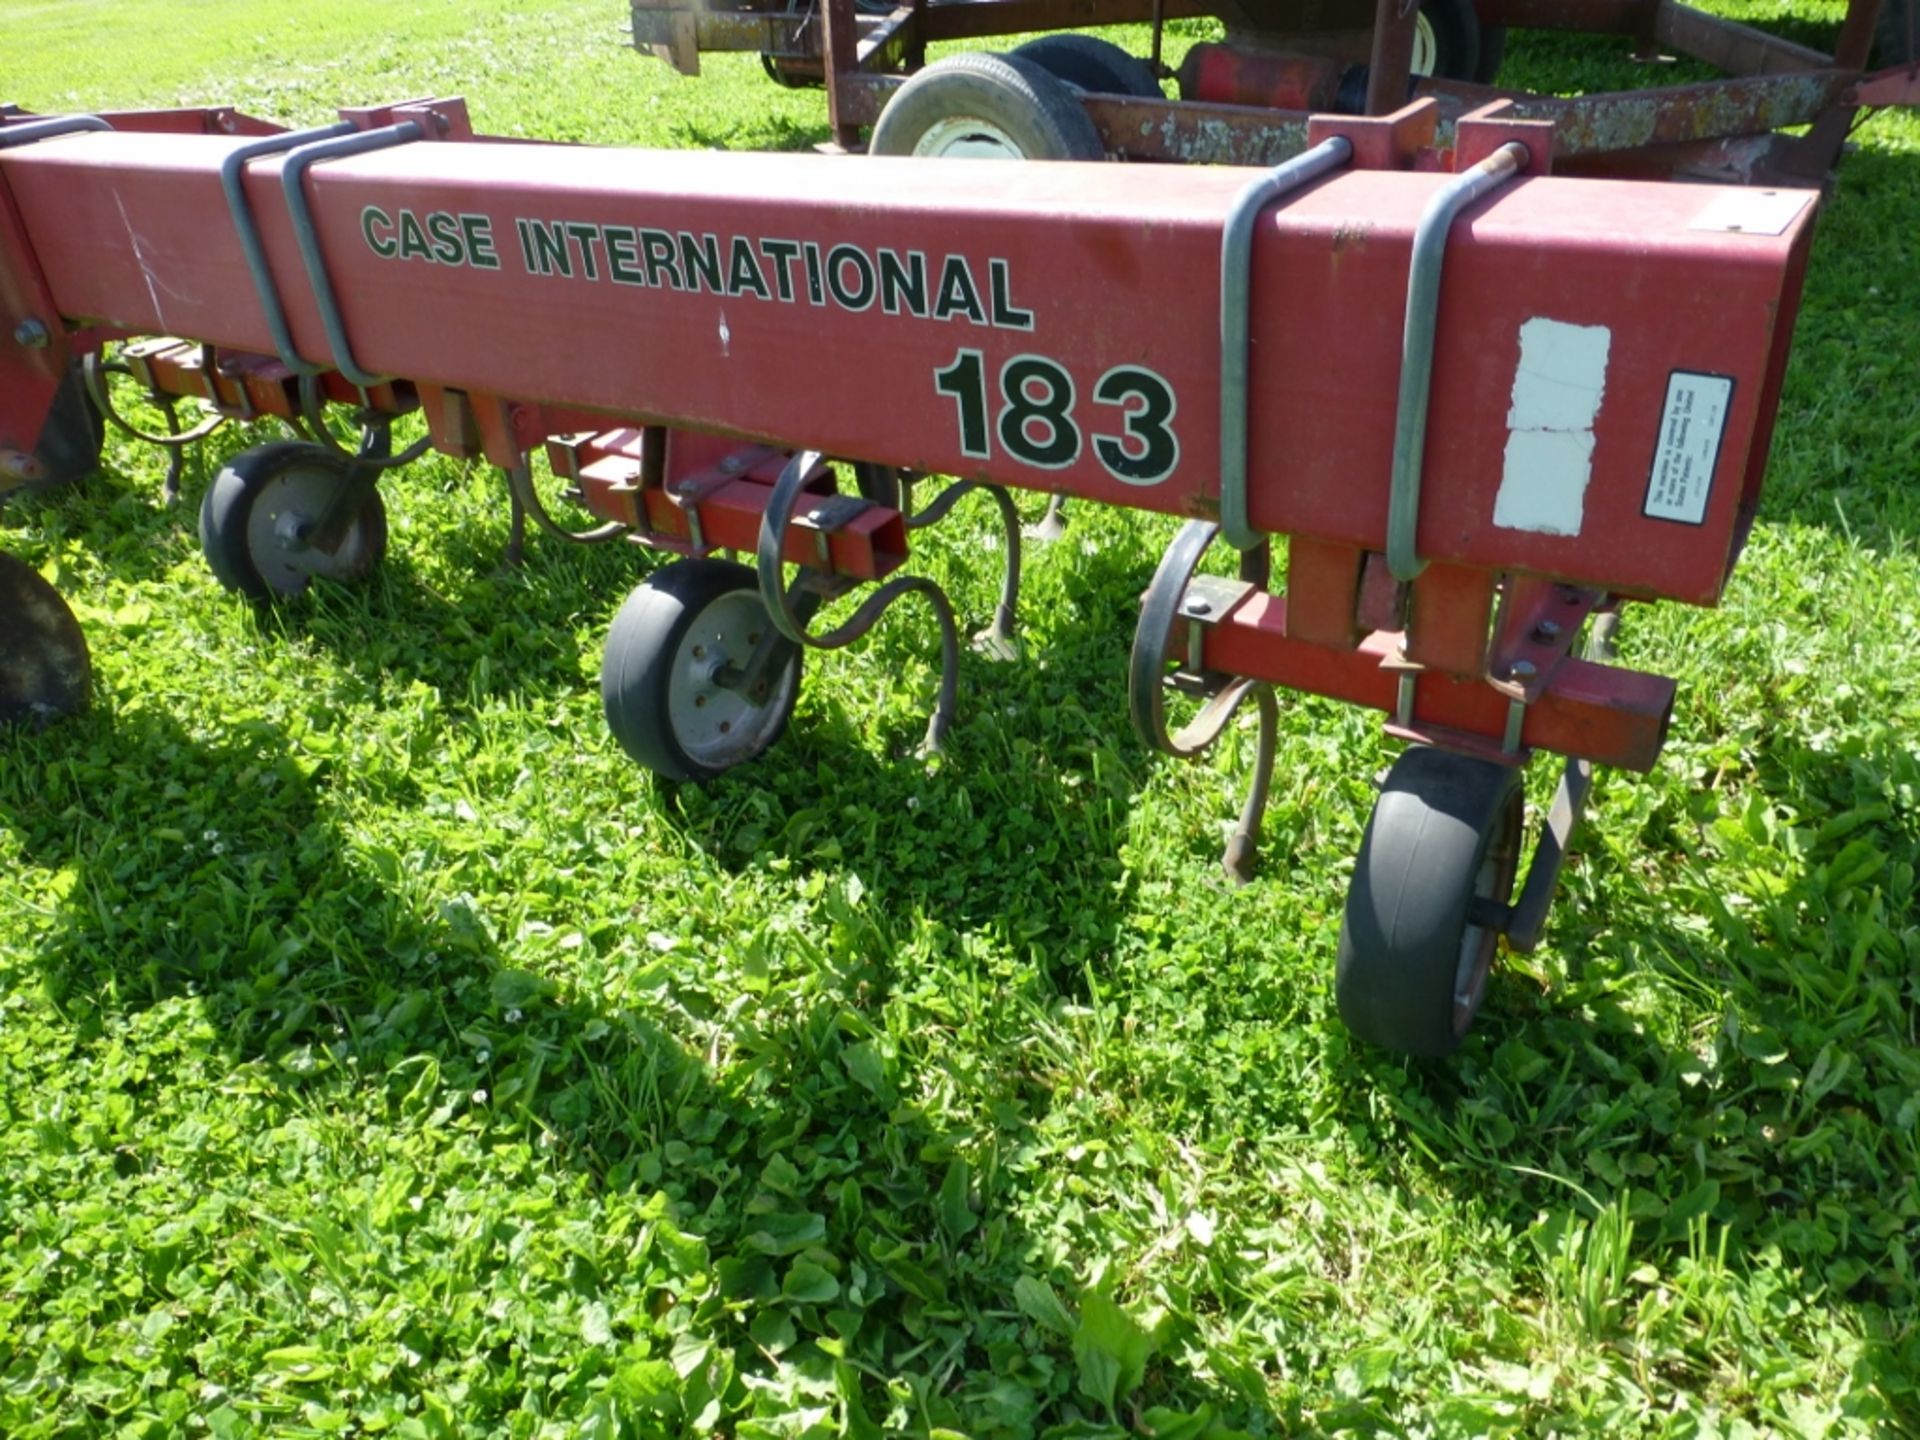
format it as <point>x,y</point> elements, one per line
<point>1691,425</point>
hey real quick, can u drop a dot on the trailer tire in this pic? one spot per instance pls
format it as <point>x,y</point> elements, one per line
<point>656,678</point>
<point>1090,63</point>
<point>983,107</point>
<point>45,671</point>
<point>1896,34</point>
<point>1449,44</point>
<point>252,516</point>
<point>1412,963</point>
<point>1493,51</point>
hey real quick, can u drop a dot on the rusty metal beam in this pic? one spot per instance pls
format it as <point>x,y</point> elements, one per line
<point>1597,17</point>
<point>1194,133</point>
<point>881,45</point>
<point>1595,123</point>
<point>1735,48</point>
<point>976,19</point>
<point>863,96</point>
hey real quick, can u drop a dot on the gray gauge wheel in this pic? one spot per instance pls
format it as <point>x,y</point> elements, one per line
<point>1092,64</point>
<point>666,653</point>
<point>1414,958</point>
<point>262,507</point>
<point>986,107</point>
<point>44,666</point>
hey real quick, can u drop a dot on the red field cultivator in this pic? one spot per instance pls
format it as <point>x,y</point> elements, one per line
<point>1477,405</point>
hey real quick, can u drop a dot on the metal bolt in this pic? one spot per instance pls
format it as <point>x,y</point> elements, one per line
<point>699,701</point>
<point>32,334</point>
<point>1521,670</point>
<point>699,652</point>
<point>1200,607</point>
<point>1547,630</point>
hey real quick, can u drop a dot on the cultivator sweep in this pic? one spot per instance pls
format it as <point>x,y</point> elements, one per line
<point>1476,407</point>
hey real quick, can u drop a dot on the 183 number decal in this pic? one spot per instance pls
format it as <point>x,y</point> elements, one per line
<point>1034,419</point>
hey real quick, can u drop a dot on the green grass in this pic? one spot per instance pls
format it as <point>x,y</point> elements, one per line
<point>380,1053</point>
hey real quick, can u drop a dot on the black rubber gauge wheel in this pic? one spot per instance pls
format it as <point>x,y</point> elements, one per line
<point>1439,856</point>
<point>258,517</point>
<point>678,638</point>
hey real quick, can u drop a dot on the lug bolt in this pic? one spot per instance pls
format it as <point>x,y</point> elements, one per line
<point>699,701</point>
<point>32,334</point>
<point>699,652</point>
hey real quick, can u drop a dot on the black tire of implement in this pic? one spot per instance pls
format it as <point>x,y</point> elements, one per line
<point>636,670</point>
<point>1039,113</point>
<point>45,670</point>
<point>1896,34</point>
<point>1456,38</point>
<point>1406,915</point>
<point>1493,50</point>
<point>1092,64</point>
<point>227,507</point>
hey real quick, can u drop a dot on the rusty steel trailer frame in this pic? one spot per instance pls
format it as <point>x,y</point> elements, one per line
<point>1729,129</point>
<point>1477,407</point>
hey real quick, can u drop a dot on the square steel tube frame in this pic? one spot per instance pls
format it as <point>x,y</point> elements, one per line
<point>1044,327</point>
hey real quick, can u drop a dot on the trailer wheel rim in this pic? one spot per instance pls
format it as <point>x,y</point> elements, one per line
<point>962,137</point>
<point>283,514</point>
<point>1426,45</point>
<point>719,727</point>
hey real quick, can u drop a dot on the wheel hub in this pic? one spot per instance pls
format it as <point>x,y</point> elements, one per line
<point>281,527</point>
<point>713,720</point>
<point>963,137</point>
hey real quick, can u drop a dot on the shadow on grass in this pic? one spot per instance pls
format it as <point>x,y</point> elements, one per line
<point>1711,1110</point>
<point>959,837</point>
<point>834,1213</point>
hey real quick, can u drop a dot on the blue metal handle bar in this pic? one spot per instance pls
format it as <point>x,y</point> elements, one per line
<point>1416,346</point>
<point>46,129</point>
<point>232,172</point>
<point>1236,286</point>
<point>292,174</point>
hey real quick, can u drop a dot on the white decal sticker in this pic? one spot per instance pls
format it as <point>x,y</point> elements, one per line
<point>1557,390</point>
<point>1691,425</point>
<point>1743,211</point>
